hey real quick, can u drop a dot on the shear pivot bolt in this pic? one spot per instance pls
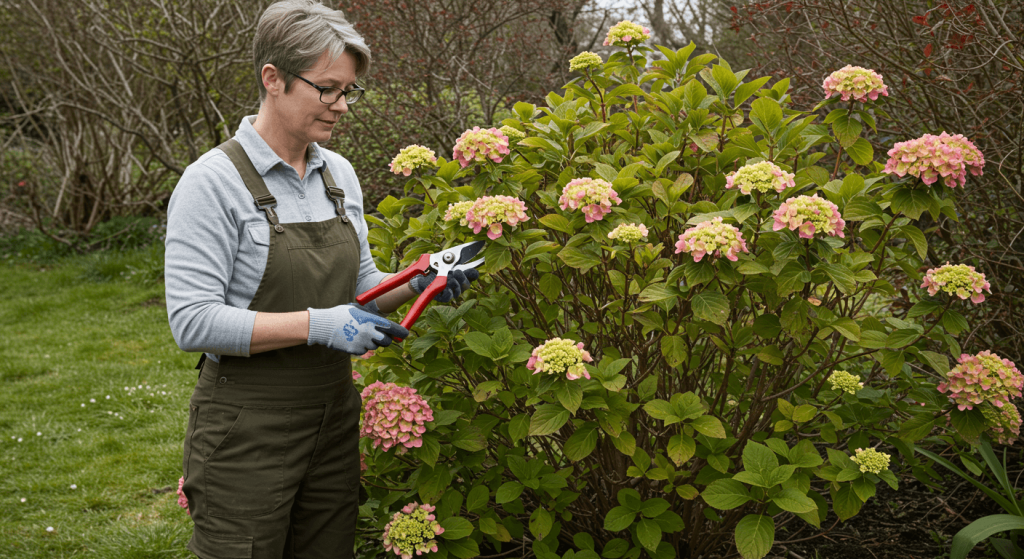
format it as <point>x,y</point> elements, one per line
<point>448,258</point>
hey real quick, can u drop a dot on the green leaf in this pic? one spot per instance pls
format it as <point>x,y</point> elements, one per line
<point>965,540</point>
<point>755,535</point>
<point>804,413</point>
<point>917,238</point>
<point>916,428</point>
<point>617,547</point>
<point>477,498</point>
<point>845,502</point>
<point>846,130</point>
<point>861,152</point>
<point>540,523</point>
<point>744,91</point>
<point>673,348</point>
<point>509,491</point>
<point>581,443</point>
<point>519,427</point>
<point>557,222</point>
<point>759,459</point>
<point>649,534</point>
<point>479,342</point>
<point>660,409</point>
<point>548,419</point>
<point>619,518</point>
<point>954,322</point>
<point>570,395</point>
<point>681,448</point>
<point>456,528</point>
<point>969,423</point>
<point>841,276</point>
<point>766,111</point>
<point>767,326</point>
<point>469,438</point>
<point>911,201</point>
<point>726,494</point>
<point>709,426</point>
<point>711,306</point>
<point>938,362</point>
<point>551,287</point>
<point>793,500</point>
<point>658,292</point>
<point>848,327</point>
<point>465,548</point>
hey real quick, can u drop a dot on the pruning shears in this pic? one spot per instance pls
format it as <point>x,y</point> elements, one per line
<point>442,263</point>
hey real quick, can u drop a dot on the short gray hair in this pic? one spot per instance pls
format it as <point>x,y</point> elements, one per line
<point>293,34</point>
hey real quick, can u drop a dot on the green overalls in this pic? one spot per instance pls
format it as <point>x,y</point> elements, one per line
<point>271,460</point>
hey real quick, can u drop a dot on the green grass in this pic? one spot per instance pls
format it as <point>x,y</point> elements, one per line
<point>81,332</point>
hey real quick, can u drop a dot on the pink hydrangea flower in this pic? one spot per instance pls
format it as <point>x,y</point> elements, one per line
<point>557,356</point>
<point>980,378</point>
<point>593,196</point>
<point>930,157</point>
<point>394,416</point>
<point>479,145</point>
<point>412,531</point>
<point>762,177</point>
<point>182,499</point>
<point>853,81</point>
<point>1003,424</point>
<point>808,215</point>
<point>960,280</point>
<point>712,237</point>
<point>362,462</point>
<point>490,212</point>
<point>626,33</point>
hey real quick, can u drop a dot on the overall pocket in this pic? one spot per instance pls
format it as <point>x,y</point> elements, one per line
<point>193,417</point>
<point>245,472</point>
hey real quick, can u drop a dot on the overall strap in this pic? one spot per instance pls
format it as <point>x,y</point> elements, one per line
<point>333,192</point>
<point>253,181</point>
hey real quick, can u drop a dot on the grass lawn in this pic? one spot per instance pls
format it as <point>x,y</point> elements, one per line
<point>95,398</point>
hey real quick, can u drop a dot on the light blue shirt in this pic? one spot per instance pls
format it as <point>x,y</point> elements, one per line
<point>217,239</point>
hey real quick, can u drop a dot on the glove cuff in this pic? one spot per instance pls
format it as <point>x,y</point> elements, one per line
<point>320,327</point>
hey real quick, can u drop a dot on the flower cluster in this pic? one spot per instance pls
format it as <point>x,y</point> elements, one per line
<point>870,460</point>
<point>762,177</point>
<point>457,212</point>
<point>960,280</point>
<point>853,81</point>
<point>479,145</point>
<point>930,157</point>
<point>584,61</point>
<point>594,196</point>
<point>490,212</point>
<point>1003,424</point>
<point>182,499</point>
<point>984,377</point>
<point>412,531</point>
<point>712,237</point>
<point>513,134</point>
<point>809,214</point>
<point>412,157</point>
<point>394,416</point>
<point>842,380</point>
<point>629,233</point>
<point>626,33</point>
<point>557,356</point>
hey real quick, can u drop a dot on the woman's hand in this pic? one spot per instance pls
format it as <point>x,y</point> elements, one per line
<point>458,281</point>
<point>352,329</point>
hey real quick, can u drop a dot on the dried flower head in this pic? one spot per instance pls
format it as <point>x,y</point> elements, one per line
<point>513,134</point>
<point>457,212</point>
<point>712,237</point>
<point>412,531</point>
<point>626,34</point>
<point>842,380</point>
<point>594,196</point>
<point>809,215</point>
<point>853,81</point>
<point>960,280</point>
<point>762,177</point>
<point>557,356</point>
<point>182,499</point>
<point>479,145</point>
<point>930,157</point>
<point>1003,423</point>
<point>394,416</point>
<point>490,212</point>
<point>412,157</point>
<point>629,233</point>
<point>583,61</point>
<point>980,378</point>
<point>870,460</point>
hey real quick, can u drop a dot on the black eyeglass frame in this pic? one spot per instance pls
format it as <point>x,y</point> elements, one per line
<point>344,92</point>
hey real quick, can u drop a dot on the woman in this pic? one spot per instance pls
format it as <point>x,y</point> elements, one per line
<point>266,250</point>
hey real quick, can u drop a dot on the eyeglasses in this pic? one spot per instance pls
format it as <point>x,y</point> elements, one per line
<point>330,95</point>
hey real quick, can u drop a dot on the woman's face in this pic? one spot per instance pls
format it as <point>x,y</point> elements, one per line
<point>307,119</point>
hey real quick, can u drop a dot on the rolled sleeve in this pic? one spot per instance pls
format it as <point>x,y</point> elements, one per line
<point>203,236</point>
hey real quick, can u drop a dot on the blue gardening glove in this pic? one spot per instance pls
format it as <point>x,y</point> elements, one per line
<point>352,329</point>
<point>458,281</point>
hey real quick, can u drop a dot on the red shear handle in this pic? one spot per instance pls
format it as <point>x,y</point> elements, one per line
<point>417,268</point>
<point>434,289</point>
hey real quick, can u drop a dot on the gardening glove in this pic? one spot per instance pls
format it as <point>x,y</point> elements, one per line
<point>458,281</point>
<point>352,329</point>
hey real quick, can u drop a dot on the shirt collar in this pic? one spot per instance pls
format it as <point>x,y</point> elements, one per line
<point>263,157</point>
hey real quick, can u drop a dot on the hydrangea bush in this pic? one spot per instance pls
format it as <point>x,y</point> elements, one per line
<point>688,406</point>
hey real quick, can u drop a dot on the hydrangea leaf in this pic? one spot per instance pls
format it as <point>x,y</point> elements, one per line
<point>726,494</point>
<point>794,501</point>
<point>712,306</point>
<point>755,535</point>
<point>649,534</point>
<point>619,518</point>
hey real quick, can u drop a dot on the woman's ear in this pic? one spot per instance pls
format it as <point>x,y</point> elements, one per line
<point>273,80</point>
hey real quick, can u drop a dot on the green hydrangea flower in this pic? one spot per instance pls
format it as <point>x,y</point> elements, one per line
<point>584,60</point>
<point>764,176</point>
<point>412,157</point>
<point>514,134</point>
<point>457,212</point>
<point>1003,423</point>
<point>960,280</point>
<point>870,460</point>
<point>629,233</point>
<point>412,531</point>
<point>842,380</point>
<point>557,356</point>
<point>626,33</point>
